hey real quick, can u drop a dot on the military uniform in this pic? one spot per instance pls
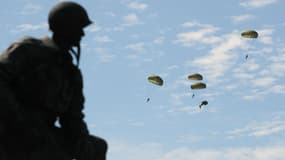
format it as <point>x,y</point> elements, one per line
<point>39,84</point>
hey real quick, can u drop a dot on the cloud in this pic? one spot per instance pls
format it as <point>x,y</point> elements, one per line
<point>131,20</point>
<point>159,40</point>
<point>173,67</point>
<point>31,9</point>
<point>261,93</point>
<point>93,28</point>
<point>265,36</point>
<point>188,138</point>
<point>242,18</point>
<point>277,68</point>
<point>106,57</point>
<point>156,151</point>
<point>220,58</point>
<point>103,55</point>
<point>103,39</point>
<point>247,153</point>
<point>112,14</point>
<point>177,97</point>
<point>30,27</point>
<point>277,65</point>
<point>125,151</point>
<point>263,81</point>
<point>137,6</point>
<point>257,3</point>
<point>260,129</point>
<point>197,24</point>
<point>203,35</point>
<point>136,47</point>
<point>250,66</point>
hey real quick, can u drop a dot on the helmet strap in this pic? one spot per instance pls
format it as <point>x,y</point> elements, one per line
<point>76,54</point>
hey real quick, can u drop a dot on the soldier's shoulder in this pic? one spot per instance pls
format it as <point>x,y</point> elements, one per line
<point>28,40</point>
<point>30,47</point>
<point>26,43</point>
<point>34,43</point>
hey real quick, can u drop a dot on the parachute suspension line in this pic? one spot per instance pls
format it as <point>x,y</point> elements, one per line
<point>76,54</point>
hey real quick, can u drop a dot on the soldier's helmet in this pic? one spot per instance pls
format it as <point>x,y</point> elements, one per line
<point>66,16</point>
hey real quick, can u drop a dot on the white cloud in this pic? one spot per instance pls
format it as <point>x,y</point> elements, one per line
<point>246,153</point>
<point>265,36</point>
<point>131,20</point>
<point>242,18</point>
<point>30,27</point>
<point>259,93</point>
<point>93,28</point>
<point>257,3</point>
<point>278,89</point>
<point>263,82</point>
<point>31,9</point>
<point>156,151</point>
<point>103,39</point>
<point>106,57</point>
<point>177,97</point>
<point>244,75</point>
<point>250,66</point>
<point>260,129</point>
<point>137,6</point>
<point>221,58</point>
<point>124,151</point>
<point>132,56</point>
<point>103,55</point>
<point>280,57</point>
<point>203,35</point>
<point>173,67</point>
<point>189,138</point>
<point>136,47</point>
<point>277,66</point>
<point>197,24</point>
<point>158,40</point>
<point>112,14</point>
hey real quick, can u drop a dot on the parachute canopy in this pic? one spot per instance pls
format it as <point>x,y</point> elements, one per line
<point>199,85</point>
<point>249,34</point>
<point>195,76</point>
<point>155,79</point>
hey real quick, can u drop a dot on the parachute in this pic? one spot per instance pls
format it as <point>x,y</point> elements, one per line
<point>195,76</point>
<point>203,103</point>
<point>155,79</point>
<point>249,34</point>
<point>199,85</point>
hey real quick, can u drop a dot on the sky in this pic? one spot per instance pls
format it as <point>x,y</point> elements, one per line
<point>132,39</point>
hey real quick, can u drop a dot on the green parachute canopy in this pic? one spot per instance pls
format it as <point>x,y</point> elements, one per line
<point>249,34</point>
<point>155,79</point>
<point>198,85</point>
<point>195,76</point>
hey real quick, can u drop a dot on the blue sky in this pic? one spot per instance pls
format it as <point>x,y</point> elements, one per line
<point>131,39</point>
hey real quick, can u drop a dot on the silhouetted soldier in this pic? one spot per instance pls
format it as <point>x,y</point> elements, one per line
<point>39,84</point>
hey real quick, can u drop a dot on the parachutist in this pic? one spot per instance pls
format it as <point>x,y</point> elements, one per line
<point>147,100</point>
<point>203,103</point>
<point>246,57</point>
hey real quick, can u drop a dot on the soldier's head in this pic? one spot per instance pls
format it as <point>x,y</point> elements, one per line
<point>67,20</point>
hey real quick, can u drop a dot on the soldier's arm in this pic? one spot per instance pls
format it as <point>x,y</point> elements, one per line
<point>12,64</point>
<point>72,121</point>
